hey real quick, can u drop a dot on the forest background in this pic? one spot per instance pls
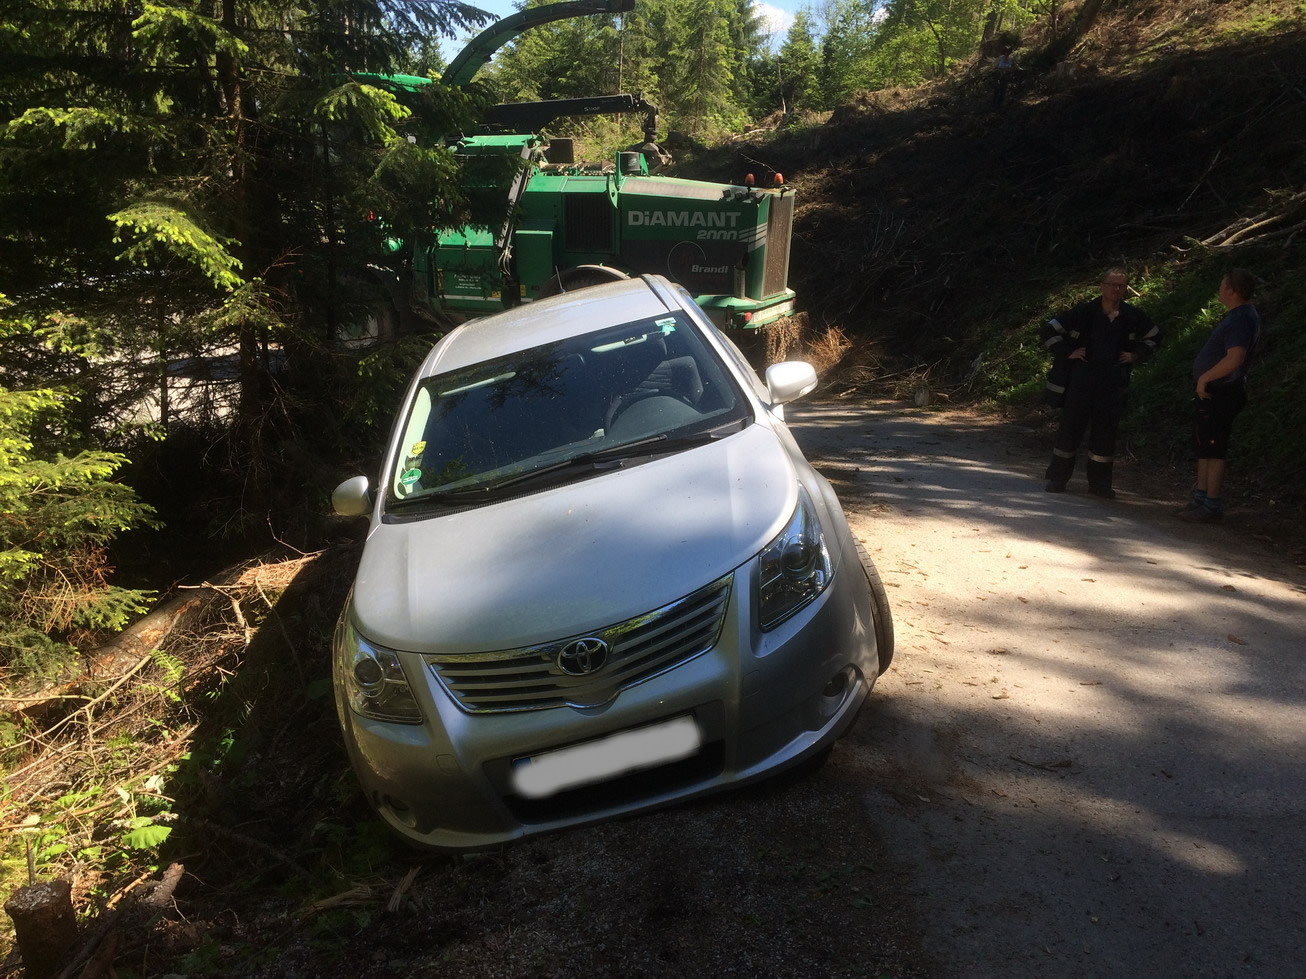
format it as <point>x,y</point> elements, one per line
<point>187,187</point>
<point>187,190</point>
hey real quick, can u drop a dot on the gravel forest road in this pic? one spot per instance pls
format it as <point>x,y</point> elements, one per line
<point>1090,753</point>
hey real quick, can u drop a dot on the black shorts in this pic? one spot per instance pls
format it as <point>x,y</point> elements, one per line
<point>1215,417</point>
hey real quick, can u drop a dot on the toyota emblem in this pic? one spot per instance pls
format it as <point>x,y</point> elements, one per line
<point>582,656</point>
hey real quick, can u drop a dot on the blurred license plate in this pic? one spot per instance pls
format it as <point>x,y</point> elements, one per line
<point>617,754</point>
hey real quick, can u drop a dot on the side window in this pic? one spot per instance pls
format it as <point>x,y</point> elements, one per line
<point>412,445</point>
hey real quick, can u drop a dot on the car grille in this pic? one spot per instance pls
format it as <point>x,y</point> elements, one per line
<point>639,649</point>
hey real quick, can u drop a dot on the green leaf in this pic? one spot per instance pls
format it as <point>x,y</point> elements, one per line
<point>146,837</point>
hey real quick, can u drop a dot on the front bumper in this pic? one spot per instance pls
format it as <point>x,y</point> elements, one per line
<point>762,702</point>
<point>742,313</point>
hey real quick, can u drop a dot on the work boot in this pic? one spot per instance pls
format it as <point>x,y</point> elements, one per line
<point>1059,470</point>
<point>1099,476</point>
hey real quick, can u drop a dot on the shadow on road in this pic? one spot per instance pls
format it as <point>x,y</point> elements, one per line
<point>1093,742</point>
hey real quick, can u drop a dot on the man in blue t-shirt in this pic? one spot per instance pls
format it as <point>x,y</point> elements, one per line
<point>1220,372</point>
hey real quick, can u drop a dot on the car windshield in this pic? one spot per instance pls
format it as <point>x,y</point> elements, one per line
<point>560,410</point>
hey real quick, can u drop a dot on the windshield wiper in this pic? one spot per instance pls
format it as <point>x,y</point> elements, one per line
<point>597,460</point>
<point>614,456</point>
<point>482,494</point>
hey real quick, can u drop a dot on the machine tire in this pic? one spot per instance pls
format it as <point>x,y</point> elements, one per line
<point>578,278</point>
<point>879,608</point>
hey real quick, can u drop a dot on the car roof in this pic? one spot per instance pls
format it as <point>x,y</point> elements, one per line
<point>546,320</point>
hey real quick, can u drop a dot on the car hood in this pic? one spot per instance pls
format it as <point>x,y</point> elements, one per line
<point>573,558</point>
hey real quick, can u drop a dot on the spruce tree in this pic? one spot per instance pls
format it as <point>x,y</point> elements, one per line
<point>194,179</point>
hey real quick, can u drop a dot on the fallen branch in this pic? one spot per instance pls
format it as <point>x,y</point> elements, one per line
<point>1273,219</point>
<point>359,894</point>
<point>83,709</point>
<point>1202,179</point>
<point>396,899</point>
<point>1228,234</point>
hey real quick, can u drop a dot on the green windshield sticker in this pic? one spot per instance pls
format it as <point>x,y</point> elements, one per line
<point>410,476</point>
<point>668,325</point>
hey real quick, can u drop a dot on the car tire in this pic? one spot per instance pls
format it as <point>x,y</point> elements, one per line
<point>879,608</point>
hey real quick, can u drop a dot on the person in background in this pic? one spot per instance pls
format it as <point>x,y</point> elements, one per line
<point>1094,348</point>
<point>1220,372</point>
<point>1005,71</point>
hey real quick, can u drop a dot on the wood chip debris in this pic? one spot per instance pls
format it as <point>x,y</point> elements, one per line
<point>396,899</point>
<point>1232,638</point>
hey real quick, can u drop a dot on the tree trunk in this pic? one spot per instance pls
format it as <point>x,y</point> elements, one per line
<point>44,925</point>
<point>234,105</point>
<point>1083,22</point>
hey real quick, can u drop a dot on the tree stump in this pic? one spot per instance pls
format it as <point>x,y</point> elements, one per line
<point>44,925</point>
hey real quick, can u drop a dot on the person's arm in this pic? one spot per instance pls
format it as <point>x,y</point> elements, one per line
<point>1061,335</point>
<point>1144,338</point>
<point>1233,359</point>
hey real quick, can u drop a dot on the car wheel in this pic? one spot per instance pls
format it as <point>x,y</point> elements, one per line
<point>880,609</point>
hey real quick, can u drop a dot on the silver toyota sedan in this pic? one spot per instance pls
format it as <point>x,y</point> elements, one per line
<point>599,577</point>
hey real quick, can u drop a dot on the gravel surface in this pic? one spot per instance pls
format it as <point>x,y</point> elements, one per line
<point>1102,709</point>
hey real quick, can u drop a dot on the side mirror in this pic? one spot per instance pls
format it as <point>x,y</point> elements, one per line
<point>790,381</point>
<point>352,498</point>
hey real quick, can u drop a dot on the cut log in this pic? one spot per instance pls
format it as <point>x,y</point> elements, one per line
<point>121,653</point>
<point>44,925</point>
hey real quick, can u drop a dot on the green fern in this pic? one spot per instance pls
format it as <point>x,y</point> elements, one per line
<point>173,670</point>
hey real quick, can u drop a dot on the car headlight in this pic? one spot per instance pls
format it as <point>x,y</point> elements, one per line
<point>372,680</point>
<point>795,567</point>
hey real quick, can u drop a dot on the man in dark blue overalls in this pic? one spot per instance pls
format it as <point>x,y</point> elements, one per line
<point>1095,346</point>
